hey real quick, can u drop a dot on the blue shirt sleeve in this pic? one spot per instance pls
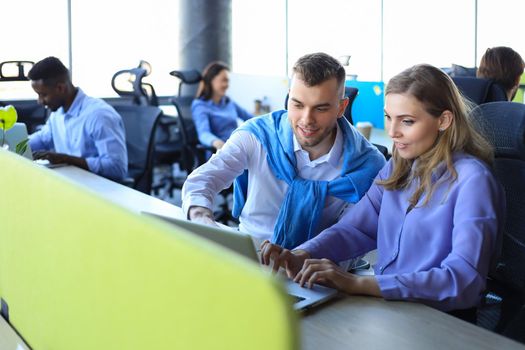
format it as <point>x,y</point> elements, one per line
<point>459,280</point>
<point>201,118</point>
<point>242,113</point>
<point>107,132</point>
<point>450,272</point>
<point>42,139</point>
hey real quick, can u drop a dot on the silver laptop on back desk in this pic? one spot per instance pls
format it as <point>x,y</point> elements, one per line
<point>16,135</point>
<point>243,244</point>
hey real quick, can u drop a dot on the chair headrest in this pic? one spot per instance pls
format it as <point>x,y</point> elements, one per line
<point>15,70</point>
<point>503,124</point>
<point>191,76</point>
<point>133,81</point>
<point>480,90</point>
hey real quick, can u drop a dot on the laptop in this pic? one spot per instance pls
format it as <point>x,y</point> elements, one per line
<point>17,134</point>
<point>242,244</point>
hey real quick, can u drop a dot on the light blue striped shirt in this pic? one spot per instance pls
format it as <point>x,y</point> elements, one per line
<point>90,129</point>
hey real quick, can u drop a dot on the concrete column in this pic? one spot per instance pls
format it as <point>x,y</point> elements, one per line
<point>205,32</point>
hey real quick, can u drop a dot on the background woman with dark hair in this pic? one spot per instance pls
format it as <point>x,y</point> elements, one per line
<point>215,115</point>
<point>503,65</point>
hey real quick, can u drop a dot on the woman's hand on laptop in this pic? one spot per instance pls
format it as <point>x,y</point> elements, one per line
<point>292,261</point>
<point>201,215</point>
<point>326,272</point>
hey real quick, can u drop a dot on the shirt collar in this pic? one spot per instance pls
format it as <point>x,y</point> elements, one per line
<point>76,107</point>
<point>221,103</point>
<point>332,157</point>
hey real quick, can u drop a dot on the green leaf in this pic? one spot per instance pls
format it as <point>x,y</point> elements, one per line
<point>21,147</point>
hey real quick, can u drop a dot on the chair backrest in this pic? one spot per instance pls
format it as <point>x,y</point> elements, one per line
<point>194,153</point>
<point>186,77</point>
<point>503,124</point>
<point>128,83</point>
<point>8,68</point>
<point>140,123</point>
<point>351,93</point>
<point>480,90</point>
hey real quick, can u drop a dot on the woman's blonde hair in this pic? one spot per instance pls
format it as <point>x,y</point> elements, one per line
<point>437,93</point>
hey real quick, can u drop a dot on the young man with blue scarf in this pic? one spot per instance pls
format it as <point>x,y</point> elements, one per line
<point>295,171</point>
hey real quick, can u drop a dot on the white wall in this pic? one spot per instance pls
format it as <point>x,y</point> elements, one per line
<point>244,89</point>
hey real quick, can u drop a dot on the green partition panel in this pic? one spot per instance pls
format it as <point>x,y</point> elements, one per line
<point>81,273</point>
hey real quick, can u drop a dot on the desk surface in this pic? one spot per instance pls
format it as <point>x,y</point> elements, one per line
<point>9,340</point>
<point>372,323</point>
<point>117,193</point>
<point>348,322</point>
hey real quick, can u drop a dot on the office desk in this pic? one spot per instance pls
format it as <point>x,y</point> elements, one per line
<point>347,322</point>
<point>117,193</point>
<point>372,323</point>
<point>9,340</point>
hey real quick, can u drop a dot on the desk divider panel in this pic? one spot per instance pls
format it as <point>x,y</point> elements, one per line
<point>78,272</point>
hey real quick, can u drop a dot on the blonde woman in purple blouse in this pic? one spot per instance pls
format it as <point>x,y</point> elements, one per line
<point>433,213</point>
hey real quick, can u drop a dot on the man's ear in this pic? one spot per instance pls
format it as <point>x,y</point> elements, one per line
<point>61,87</point>
<point>445,120</point>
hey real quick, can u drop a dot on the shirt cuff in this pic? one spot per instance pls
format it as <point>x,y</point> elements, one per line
<point>93,165</point>
<point>311,247</point>
<point>195,201</point>
<point>389,287</point>
<point>208,139</point>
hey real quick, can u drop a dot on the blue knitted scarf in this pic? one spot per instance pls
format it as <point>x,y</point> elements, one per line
<point>305,199</point>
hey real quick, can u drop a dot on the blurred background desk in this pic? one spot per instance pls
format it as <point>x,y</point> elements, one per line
<point>380,137</point>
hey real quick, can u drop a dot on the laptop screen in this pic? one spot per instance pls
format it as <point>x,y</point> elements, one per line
<point>15,137</point>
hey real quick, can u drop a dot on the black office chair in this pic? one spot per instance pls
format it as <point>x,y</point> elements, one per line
<point>140,123</point>
<point>195,153</point>
<point>503,124</point>
<point>480,90</point>
<point>351,93</point>
<point>130,85</point>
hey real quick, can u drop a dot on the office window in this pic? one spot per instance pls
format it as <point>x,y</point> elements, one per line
<point>339,28</point>
<point>29,35</point>
<point>259,37</point>
<point>437,32</point>
<point>112,35</point>
<point>500,23</point>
